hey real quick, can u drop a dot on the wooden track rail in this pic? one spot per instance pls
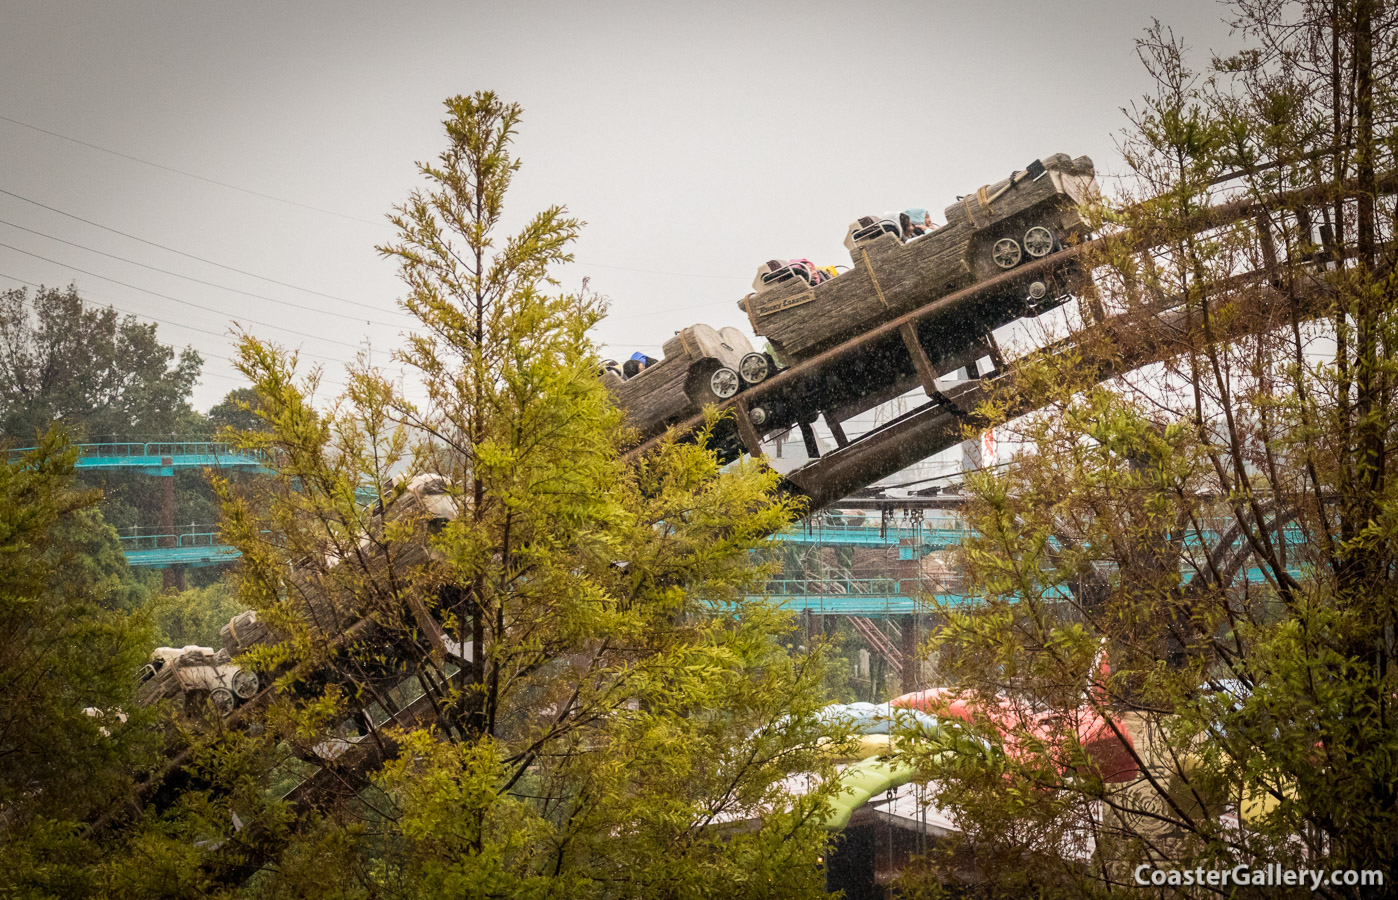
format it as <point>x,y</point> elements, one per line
<point>941,423</point>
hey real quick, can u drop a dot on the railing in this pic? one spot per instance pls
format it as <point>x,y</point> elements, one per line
<point>949,583</point>
<point>161,551</point>
<point>865,596</point>
<point>175,449</point>
<point>836,533</point>
<point>946,531</point>
<point>933,523</point>
<point>131,543</point>
<point>152,453</point>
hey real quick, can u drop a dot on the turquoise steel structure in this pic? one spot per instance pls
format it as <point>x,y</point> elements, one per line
<point>841,596</point>
<point>192,549</point>
<point>162,459</point>
<point>170,547</point>
<point>867,597</point>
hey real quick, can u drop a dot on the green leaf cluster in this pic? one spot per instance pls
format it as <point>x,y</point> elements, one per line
<point>71,637</point>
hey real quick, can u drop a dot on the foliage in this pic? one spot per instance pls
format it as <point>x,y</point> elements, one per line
<point>97,566</point>
<point>194,616</point>
<point>102,378</point>
<point>581,695</point>
<point>1218,525</point>
<point>67,644</point>
<point>237,410</point>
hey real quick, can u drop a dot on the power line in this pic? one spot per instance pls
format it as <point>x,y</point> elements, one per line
<point>664,311</point>
<point>223,184</point>
<point>217,334</point>
<point>324,312</point>
<point>328,212</point>
<point>210,284</point>
<point>201,259</point>
<point>659,271</point>
<point>176,299</point>
<point>238,379</point>
<point>166,322</point>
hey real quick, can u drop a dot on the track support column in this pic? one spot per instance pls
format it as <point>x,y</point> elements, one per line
<point>172,578</point>
<point>751,442</point>
<point>911,653</point>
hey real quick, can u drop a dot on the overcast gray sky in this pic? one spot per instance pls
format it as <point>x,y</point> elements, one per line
<point>696,140</point>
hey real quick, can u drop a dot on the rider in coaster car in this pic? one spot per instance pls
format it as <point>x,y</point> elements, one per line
<point>636,363</point>
<point>810,272</point>
<point>915,222</point>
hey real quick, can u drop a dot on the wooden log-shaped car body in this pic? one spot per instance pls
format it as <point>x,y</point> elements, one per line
<point>196,675</point>
<point>243,632</point>
<point>329,602</point>
<point>988,232</point>
<point>392,560</point>
<point>701,366</point>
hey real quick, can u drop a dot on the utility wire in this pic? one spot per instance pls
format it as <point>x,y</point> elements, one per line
<point>665,311</point>
<point>323,312</point>
<point>580,262</point>
<point>994,467</point>
<point>223,184</point>
<point>202,353</point>
<point>178,300</point>
<point>285,284</point>
<point>328,212</point>
<point>166,322</point>
<point>217,334</point>
<point>201,259</point>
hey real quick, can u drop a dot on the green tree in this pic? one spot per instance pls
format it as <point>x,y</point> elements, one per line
<point>579,691</point>
<point>238,410</point>
<point>1220,524</point>
<point>69,737</point>
<point>194,616</point>
<point>102,377</point>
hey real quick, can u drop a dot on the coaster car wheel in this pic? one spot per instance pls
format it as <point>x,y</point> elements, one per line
<point>754,367</point>
<point>221,699</point>
<point>245,684</point>
<point>724,382</point>
<point>1038,241</point>
<point>1006,253</point>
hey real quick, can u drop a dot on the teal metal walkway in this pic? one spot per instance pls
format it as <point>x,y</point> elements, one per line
<point>944,532</point>
<point>193,549</point>
<point>881,597</point>
<point>161,550</point>
<point>165,457</point>
<point>876,597</point>
<point>913,540</point>
<point>871,597</point>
